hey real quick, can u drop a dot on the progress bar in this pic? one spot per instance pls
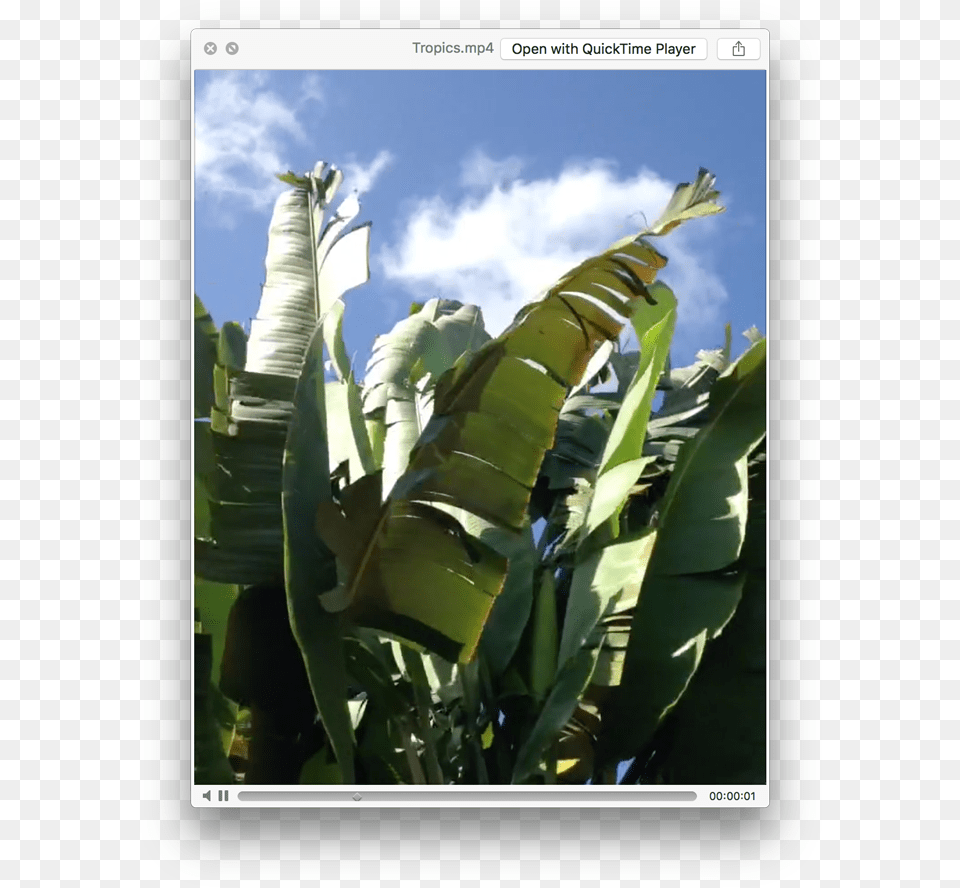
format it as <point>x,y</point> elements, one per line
<point>533,797</point>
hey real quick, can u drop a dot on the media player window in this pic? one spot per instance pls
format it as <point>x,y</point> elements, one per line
<point>480,418</point>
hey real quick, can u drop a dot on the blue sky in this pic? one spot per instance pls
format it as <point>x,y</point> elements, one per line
<point>487,186</point>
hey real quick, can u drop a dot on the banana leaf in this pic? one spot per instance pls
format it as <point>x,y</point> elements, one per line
<point>692,586</point>
<point>309,566</point>
<point>309,265</point>
<point>716,734</point>
<point>421,576</point>
<point>205,337</point>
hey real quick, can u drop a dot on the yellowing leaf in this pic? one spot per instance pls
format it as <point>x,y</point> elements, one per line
<point>422,576</point>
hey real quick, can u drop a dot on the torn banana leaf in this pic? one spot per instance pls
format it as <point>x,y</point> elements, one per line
<point>309,265</point>
<point>421,575</point>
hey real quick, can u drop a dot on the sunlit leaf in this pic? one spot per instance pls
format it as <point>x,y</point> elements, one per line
<point>607,581</point>
<point>622,460</point>
<point>703,513</point>
<point>690,590</point>
<point>689,201</point>
<point>571,681</point>
<point>495,415</point>
<point>307,265</point>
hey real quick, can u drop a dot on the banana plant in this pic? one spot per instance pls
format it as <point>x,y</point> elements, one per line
<point>266,434</point>
<point>648,592</point>
<point>418,572</point>
<point>442,640</point>
<point>310,264</point>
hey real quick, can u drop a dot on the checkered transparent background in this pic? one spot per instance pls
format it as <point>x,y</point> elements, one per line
<point>94,665</point>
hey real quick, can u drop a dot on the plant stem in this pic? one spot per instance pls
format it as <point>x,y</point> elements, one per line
<point>551,776</point>
<point>470,680</point>
<point>422,700</point>
<point>413,760</point>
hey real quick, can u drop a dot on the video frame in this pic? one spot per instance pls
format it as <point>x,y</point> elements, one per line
<point>480,428</point>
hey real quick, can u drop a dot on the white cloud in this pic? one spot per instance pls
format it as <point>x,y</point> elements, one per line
<point>479,170</point>
<point>243,134</point>
<point>501,247</point>
<point>311,90</point>
<point>241,130</point>
<point>360,178</point>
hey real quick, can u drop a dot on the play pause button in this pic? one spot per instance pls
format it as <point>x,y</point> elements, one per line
<point>223,795</point>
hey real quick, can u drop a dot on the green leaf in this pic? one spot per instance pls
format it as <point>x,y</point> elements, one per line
<point>720,724</point>
<point>413,662</point>
<point>570,684</point>
<point>435,554</point>
<point>309,567</point>
<point>368,668</point>
<point>377,434</point>
<point>543,647</point>
<point>226,564</point>
<point>569,513</point>
<point>213,601</point>
<point>573,459</point>
<point>406,415</point>
<point>443,678</point>
<point>210,763</point>
<point>422,576</point>
<point>232,347</point>
<point>600,357</point>
<point>346,265</point>
<point>485,454</point>
<point>690,591</point>
<point>231,357</point>
<point>291,178</point>
<point>686,391</point>
<point>675,618</point>
<point>462,332</point>
<point>347,432</point>
<point>402,367</point>
<point>511,610</point>
<point>344,526</point>
<point>702,516</point>
<point>290,300</point>
<point>333,335</point>
<point>205,338</point>
<point>392,360</point>
<point>622,460</point>
<point>435,587</point>
<point>607,582</point>
<point>381,739</point>
<point>625,366</point>
<point>204,465</point>
<point>307,265</point>
<point>434,337</point>
<point>319,769</point>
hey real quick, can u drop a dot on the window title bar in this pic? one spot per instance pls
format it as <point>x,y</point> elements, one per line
<point>476,48</point>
